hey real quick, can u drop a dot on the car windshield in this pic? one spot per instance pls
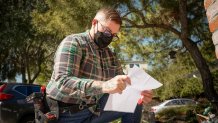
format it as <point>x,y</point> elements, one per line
<point>164,102</point>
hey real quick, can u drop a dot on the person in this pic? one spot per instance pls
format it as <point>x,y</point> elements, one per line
<point>86,71</point>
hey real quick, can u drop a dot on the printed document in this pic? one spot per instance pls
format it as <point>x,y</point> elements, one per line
<point>127,101</point>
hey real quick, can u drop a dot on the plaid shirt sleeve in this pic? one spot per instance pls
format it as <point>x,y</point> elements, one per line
<point>67,64</point>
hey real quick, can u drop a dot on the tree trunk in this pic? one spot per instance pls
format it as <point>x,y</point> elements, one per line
<point>23,72</point>
<point>200,62</point>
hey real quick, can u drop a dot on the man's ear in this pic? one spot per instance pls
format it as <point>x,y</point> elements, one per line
<point>94,21</point>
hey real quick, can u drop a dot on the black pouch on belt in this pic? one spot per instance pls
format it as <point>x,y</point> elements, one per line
<point>46,109</point>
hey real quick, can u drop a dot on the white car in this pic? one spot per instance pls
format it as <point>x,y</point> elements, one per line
<point>172,103</point>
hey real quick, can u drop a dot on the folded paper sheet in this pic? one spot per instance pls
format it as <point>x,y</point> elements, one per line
<point>127,101</point>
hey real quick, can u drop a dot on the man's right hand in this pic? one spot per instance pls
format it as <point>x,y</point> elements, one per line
<point>116,84</point>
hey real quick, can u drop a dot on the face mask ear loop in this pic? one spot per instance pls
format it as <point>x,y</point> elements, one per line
<point>97,25</point>
<point>97,29</point>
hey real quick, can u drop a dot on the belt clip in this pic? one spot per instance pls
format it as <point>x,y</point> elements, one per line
<point>82,105</point>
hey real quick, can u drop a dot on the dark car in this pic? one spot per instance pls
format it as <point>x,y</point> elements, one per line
<point>13,105</point>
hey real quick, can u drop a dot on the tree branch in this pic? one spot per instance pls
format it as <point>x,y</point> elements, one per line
<point>162,26</point>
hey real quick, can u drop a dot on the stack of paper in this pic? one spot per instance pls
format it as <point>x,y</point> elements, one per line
<point>127,101</point>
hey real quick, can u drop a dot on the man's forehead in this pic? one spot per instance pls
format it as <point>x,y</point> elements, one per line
<point>113,26</point>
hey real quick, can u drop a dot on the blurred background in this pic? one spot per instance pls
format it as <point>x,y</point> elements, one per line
<point>169,39</point>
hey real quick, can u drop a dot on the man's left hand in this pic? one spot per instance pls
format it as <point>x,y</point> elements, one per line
<point>147,96</point>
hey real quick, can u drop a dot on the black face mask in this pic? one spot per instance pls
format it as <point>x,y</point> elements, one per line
<point>102,40</point>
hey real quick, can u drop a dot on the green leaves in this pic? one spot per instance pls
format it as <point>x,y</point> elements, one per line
<point>65,17</point>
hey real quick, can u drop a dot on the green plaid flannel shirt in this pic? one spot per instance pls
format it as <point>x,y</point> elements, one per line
<point>78,62</point>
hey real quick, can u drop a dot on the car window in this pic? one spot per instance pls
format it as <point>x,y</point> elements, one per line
<point>186,102</point>
<point>21,89</point>
<point>36,89</point>
<point>173,102</point>
<point>27,90</point>
<point>31,89</point>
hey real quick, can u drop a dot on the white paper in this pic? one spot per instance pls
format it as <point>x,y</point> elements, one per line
<point>127,101</point>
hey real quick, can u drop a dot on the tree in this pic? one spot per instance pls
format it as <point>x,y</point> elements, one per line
<point>185,19</point>
<point>14,22</point>
<point>22,50</point>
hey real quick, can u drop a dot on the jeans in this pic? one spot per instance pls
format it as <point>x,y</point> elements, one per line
<point>85,116</point>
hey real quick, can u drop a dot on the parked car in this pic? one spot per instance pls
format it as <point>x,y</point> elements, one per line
<point>172,103</point>
<point>13,105</point>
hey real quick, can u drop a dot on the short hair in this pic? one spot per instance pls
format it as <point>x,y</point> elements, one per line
<point>109,14</point>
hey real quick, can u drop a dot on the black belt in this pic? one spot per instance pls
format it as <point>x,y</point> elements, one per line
<point>72,108</point>
<point>63,104</point>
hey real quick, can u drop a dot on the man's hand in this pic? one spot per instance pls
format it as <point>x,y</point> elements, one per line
<point>116,84</point>
<point>147,96</point>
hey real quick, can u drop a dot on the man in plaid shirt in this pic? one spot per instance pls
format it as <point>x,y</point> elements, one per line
<point>86,71</point>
